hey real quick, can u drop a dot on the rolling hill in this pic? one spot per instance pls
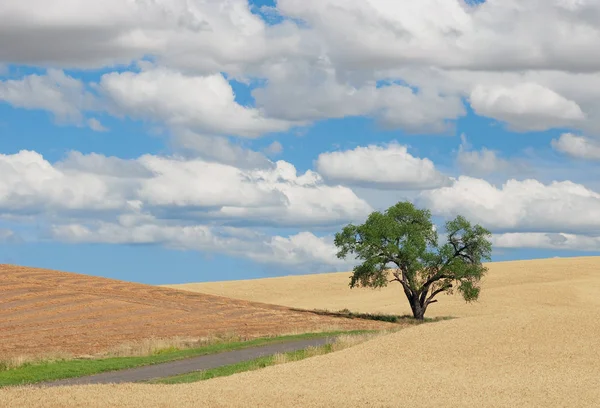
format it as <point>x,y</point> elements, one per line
<point>506,284</point>
<point>532,341</point>
<point>44,311</point>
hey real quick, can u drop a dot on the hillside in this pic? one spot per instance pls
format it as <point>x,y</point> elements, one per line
<point>331,291</point>
<point>530,342</point>
<point>44,311</point>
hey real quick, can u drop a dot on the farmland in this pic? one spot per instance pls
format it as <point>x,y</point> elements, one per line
<point>46,312</point>
<point>530,341</point>
<point>507,285</point>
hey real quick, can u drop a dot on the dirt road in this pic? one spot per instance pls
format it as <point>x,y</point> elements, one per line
<point>190,364</point>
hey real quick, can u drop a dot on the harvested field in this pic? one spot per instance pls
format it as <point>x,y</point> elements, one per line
<point>48,312</point>
<point>507,284</point>
<point>530,342</point>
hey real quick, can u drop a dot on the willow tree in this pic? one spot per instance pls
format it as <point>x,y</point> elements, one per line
<point>401,245</point>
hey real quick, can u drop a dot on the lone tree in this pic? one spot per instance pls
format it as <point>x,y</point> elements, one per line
<point>403,243</point>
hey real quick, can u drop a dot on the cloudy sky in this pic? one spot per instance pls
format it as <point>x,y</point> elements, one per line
<point>166,141</point>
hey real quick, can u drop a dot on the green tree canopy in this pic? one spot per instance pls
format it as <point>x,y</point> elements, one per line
<point>401,245</point>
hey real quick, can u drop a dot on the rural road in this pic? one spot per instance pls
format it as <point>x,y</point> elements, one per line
<point>189,365</point>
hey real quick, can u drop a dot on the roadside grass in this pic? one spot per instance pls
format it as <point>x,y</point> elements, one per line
<point>134,348</point>
<point>50,370</point>
<point>342,341</point>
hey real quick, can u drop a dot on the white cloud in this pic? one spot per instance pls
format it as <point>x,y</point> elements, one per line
<point>389,167</point>
<point>99,165</point>
<point>96,126</point>
<point>55,92</point>
<point>30,185</point>
<point>526,106</point>
<point>204,36</point>
<point>407,64</point>
<point>274,148</point>
<point>172,188</point>
<point>526,205</point>
<point>480,162</point>
<point>557,241</point>
<point>485,162</point>
<point>218,149</point>
<point>577,146</point>
<point>375,34</point>
<point>300,250</point>
<point>308,201</point>
<point>302,91</point>
<point>303,248</point>
<point>329,66</point>
<point>205,104</point>
<point>378,34</point>
<point>200,184</point>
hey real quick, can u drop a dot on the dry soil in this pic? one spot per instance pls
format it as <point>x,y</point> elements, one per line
<point>45,312</point>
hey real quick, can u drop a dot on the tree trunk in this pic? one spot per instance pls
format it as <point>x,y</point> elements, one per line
<point>417,308</point>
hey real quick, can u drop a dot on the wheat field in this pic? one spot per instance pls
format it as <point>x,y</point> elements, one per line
<point>531,341</point>
<point>506,285</point>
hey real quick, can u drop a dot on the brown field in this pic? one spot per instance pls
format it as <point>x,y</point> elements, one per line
<point>531,341</point>
<point>44,312</point>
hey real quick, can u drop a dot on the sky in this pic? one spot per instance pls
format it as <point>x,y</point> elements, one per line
<point>171,141</point>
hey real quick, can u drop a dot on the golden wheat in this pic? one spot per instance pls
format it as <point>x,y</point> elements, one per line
<point>531,341</point>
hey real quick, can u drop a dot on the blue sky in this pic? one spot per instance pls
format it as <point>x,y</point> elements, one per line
<point>191,154</point>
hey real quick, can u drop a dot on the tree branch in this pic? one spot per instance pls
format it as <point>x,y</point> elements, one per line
<point>433,279</point>
<point>457,252</point>
<point>435,292</point>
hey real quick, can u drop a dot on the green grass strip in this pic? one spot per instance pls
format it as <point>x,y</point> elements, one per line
<point>249,365</point>
<point>57,370</point>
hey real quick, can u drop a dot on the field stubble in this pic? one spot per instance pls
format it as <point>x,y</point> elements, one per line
<point>530,341</point>
<point>46,313</point>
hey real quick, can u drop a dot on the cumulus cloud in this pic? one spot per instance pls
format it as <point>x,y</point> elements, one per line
<point>577,146</point>
<point>454,34</point>
<point>274,148</point>
<point>526,205</point>
<point>218,149</point>
<point>206,36</point>
<point>408,65</point>
<point>375,34</point>
<point>55,92</point>
<point>480,162</point>
<point>308,201</point>
<point>383,167</point>
<point>580,88</point>
<point>199,111</point>
<point>205,104</point>
<point>326,58</point>
<point>526,106</point>
<point>31,185</point>
<point>300,250</point>
<point>200,184</point>
<point>96,126</point>
<point>557,241</point>
<point>484,162</point>
<point>301,91</point>
<point>172,188</point>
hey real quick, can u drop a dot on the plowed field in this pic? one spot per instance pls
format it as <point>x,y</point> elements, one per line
<point>44,311</point>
